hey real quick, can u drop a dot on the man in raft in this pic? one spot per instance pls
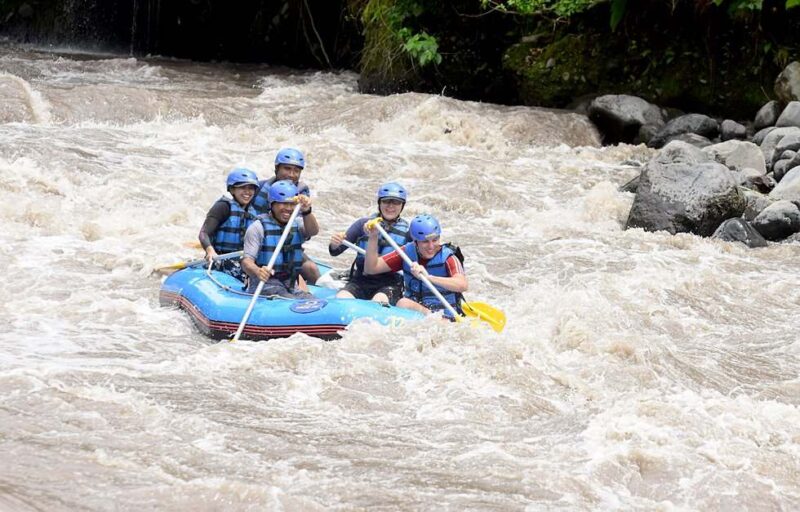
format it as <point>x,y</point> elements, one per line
<point>289,164</point>
<point>261,240</point>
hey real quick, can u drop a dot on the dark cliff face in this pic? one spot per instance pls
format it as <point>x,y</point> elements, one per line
<point>296,33</point>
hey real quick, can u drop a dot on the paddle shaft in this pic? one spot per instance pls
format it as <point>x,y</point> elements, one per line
<point>353,246</point>
<point>260,286</point>
<point>422,278</point>
<point>192,263</point>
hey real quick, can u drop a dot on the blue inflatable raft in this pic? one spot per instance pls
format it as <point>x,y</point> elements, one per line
<point>216,303</point>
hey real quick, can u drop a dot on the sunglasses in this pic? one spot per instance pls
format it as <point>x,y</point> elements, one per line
<point>395,202</point>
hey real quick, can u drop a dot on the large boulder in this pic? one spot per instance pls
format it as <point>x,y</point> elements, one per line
<point>787,85</point>
<point>681,190</point>
<point>623,118</point>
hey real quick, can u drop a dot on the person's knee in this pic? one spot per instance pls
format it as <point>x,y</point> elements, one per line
<point>344,294</point>
<point>310,271</point>
<point>381,297</point>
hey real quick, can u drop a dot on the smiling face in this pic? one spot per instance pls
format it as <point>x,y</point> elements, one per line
<point>243,194</point>
<point>390,208</point>
<point>282,211</point>
<point>427,249</point>
<point>288,172</point>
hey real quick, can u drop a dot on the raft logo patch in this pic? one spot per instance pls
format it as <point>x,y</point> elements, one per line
<point>308,306</point>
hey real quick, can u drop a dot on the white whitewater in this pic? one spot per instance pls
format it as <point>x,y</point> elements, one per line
<point>637,371</point>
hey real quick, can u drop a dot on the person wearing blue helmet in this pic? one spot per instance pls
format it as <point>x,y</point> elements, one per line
<point>229,217</point>
<point>289,163</point>
<point>430,258</point>
<point>261,241</point>
<point>387,287</point>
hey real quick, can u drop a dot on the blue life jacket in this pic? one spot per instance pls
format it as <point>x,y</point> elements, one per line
<point>230,234</point>
<point>417,291</point>
<point>261,201</point>
<point>398,231</point>
<point>290,259</point>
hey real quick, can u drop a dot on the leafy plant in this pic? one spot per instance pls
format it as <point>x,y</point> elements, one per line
<point>423,48</point>
<point>395,17</point>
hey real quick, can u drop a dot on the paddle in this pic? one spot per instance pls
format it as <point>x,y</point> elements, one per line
<point>260,286</point>
<point>482,311</point>
<point>192,263</point>
<point>353,246</point>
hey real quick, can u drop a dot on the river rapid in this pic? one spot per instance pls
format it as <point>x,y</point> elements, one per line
<point>638,371</point>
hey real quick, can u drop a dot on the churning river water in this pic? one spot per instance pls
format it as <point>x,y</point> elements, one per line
<point>638,371</point>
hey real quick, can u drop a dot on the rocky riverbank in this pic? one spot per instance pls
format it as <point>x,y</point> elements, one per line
<point>713,177</point>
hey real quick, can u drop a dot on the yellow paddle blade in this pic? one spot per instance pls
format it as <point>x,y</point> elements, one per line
<point>168,269</point>
<point>489,314</point>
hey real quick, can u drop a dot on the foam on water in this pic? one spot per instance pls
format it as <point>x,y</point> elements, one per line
<point>637,370</point>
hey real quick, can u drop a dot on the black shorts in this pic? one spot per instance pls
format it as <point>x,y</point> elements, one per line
<point>230,267</point>
<point>363,287</point>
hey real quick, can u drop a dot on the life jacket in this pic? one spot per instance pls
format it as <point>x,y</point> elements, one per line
<point>230,234</point>
<point>398,231</point>
<point>261,201</point>
<point>416,290</point>
<point>290,259</point>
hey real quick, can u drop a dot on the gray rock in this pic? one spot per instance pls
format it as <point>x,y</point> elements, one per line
<point>631,186</point>
<point>761,134</point>
<point>747,177</point>
<point>739,230</point>
<point>730,130</point>
<point>767,115</point>
<point>698,124</point>
<point>737,154</point>
<point>788,188</point>
<point>780,168</point>
<point>755,204</point>
<point>778,220</point>
<point>680,191</point>
<point>772,140</point>
<point>790,115</point>
<point>787,85</point>
<point>624,118</point>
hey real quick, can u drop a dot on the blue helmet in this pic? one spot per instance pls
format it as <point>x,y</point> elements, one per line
<point>241,176</point>
<point>424,227</point>
<point>282,191</point>
<point>290,156</point>
<point>392,190</point>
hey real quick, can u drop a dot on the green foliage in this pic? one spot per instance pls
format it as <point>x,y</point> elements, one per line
<point>395,18</point>
<point>423,48</point>
<point>564,8</point>
<point>568,8</point>
<point>617,12</point>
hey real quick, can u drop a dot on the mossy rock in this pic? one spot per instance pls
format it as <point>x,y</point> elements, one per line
<point>555,74</point>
